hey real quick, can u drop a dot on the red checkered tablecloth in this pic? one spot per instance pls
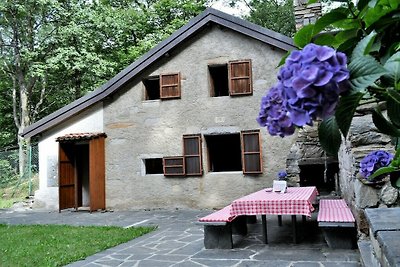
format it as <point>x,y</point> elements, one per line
<point>296,201</point>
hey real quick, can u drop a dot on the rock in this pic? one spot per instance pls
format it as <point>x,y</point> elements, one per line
<point>365,196</point>
<point>389,194</point>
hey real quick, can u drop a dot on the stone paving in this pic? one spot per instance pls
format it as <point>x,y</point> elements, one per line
<point>178,241</point>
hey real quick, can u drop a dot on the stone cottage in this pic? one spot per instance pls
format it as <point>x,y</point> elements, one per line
<point>175,129</point>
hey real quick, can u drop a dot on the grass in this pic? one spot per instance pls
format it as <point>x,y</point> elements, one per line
<point>16,192</point>
<point>58,245</point>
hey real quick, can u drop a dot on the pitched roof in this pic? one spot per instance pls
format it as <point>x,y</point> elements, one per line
<point>183,34</point>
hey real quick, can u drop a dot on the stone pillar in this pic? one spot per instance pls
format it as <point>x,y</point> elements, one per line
<point>362,139</point>
<point>306,14</point>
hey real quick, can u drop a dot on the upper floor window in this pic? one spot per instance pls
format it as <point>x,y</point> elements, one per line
<point>234,78</point>
<point>164,86</point>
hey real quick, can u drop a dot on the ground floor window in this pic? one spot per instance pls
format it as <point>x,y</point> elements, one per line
<point>154,166</point>
<point>224,152</point>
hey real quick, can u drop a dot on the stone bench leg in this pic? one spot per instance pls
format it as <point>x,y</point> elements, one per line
<point>218,236</point>
<point>340,237</point>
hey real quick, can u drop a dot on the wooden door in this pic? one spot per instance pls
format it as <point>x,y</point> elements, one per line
<point>66,176</point>
<point>97,174</point>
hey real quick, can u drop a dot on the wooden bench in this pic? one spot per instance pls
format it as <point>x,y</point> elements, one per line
<point>219,226</point>
<point>338,223</point>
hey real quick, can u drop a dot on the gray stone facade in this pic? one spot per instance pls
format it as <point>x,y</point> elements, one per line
<point>139,129</point>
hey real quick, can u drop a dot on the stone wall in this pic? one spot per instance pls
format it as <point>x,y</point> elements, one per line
<point>364,138</point>
<point>306,14</point>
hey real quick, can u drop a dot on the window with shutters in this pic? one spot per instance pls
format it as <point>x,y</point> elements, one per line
<point>224,152</point>
<point>219,80</point>
<point>234,78</point>
<point>251,152</point>
<point>174,166</point>
<point>153,165</point>
<point>165,86</point>
<point>192,154</point>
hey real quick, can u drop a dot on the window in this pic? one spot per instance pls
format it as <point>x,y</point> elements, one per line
<point>174,166</point>
<point>251,152</point>
<point>152,87</point>
<point>232,79</point>
<point>219,80</point>
<point>164,86</point>
<point>153,166</point>
<point>192,154</point>
<point>224,152</point>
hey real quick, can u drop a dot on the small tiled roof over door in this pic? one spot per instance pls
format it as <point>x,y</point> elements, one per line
<point>79,137</point>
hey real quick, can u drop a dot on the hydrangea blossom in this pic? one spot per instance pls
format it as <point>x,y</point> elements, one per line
<point>373,161</point>
<point>282,175</point>
<point>310,83</point>
<point>273,114</point>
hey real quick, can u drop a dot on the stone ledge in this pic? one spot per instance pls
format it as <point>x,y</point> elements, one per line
<point>390,243</point>
<point>384,227</point>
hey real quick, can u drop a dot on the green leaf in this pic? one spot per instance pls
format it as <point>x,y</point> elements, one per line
<point>383,125</point>
<point>381,171</point>
<point>392,65</point>
<point>363,47</point>
<point>361,4</point>
<point>365,70</point>
<point>329,136</point>
<point>328,19</point>
<point>283,59</point>
<point>346,109</point>
<point>393,107</point>
<point>347,24</point>
<point>325,39</point>
<point>381,9</point>
<point>304,36</point>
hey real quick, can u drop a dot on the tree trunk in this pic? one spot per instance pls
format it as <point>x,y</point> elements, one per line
<point>23,144</point>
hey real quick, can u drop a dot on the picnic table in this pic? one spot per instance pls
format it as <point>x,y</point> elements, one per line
<point>295,201</point>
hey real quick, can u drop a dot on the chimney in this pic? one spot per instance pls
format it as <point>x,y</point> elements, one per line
<point>306,14</point>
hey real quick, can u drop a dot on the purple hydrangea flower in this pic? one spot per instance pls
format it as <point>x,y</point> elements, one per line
<point>373,161</point>
<point>282,175</point>
<point>308,88</point>
<point>313,78</point>
<point>273,113</point>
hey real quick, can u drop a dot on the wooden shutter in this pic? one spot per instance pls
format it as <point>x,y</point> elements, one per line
<point>240,80</point>
<point>170,85</point>
<point>192,153</point>
<point>251,152</point>
<point>174,166</point>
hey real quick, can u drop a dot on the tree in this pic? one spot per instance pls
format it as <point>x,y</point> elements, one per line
<point>53,51</point>
<point>273,14</point>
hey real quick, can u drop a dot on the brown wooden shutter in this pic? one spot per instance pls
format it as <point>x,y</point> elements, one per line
<point>192,153</point>
<point>174,166</point>
<point>251,152</point>
<point>170,85</point>
<point>240,80</point>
